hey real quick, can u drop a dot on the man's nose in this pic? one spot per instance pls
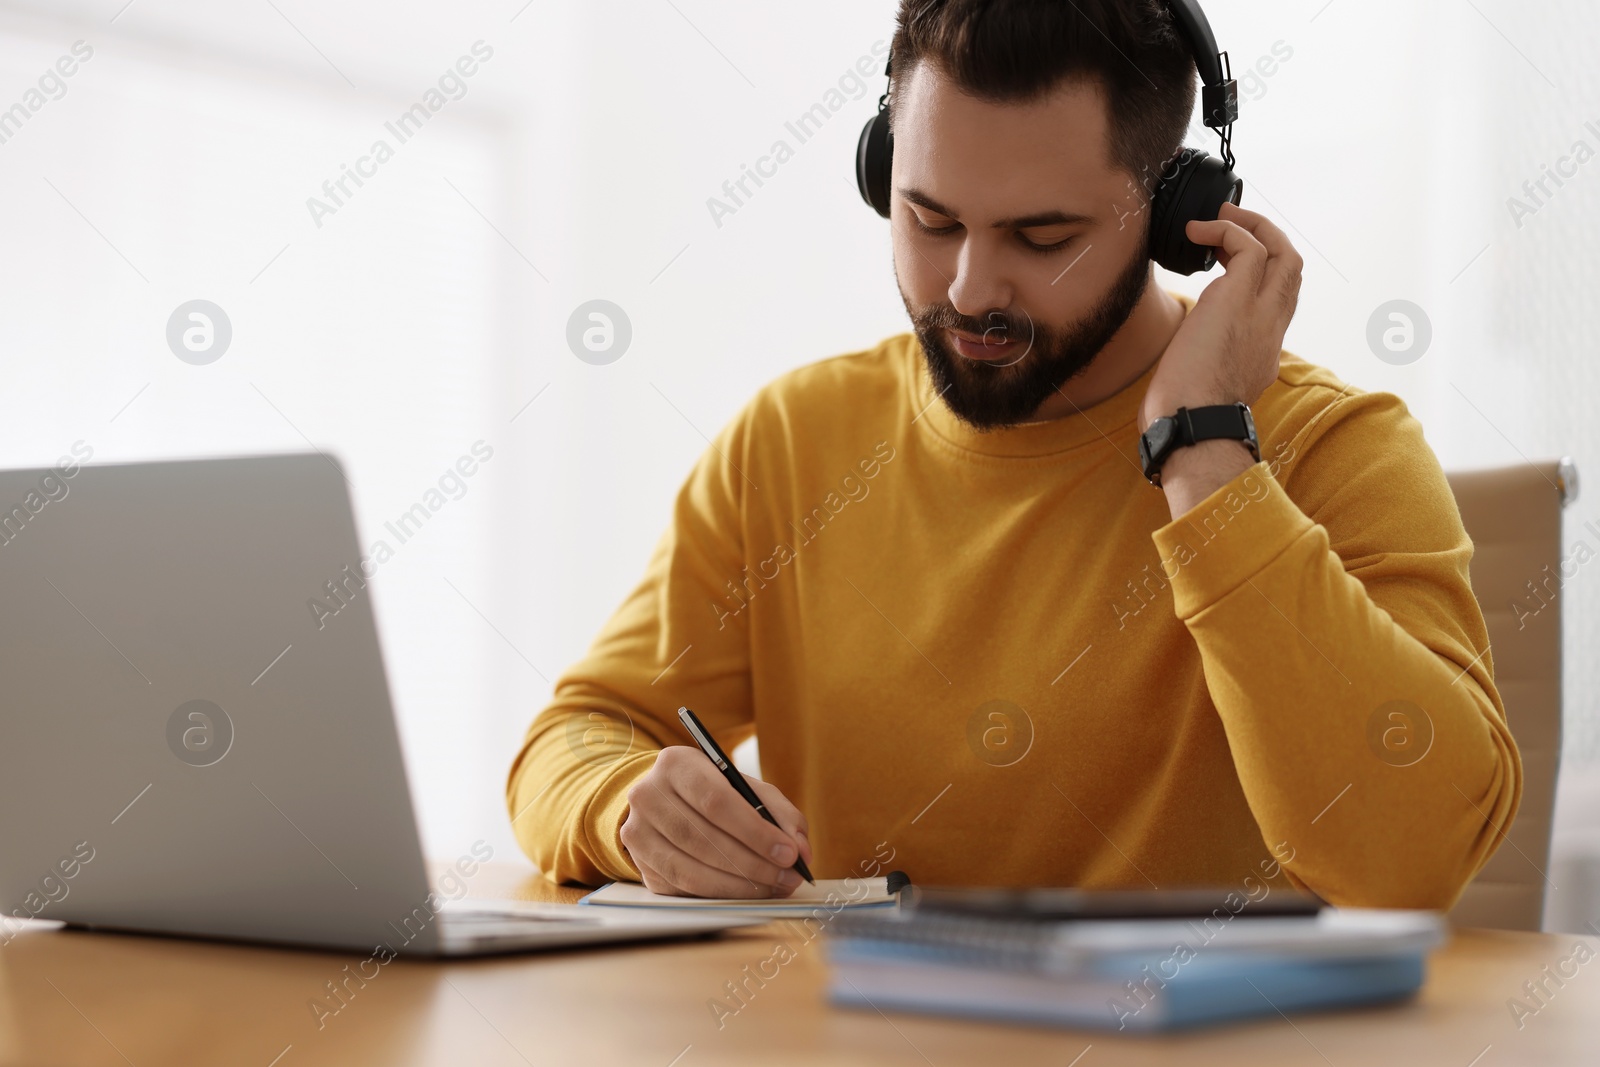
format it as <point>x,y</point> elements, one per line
<point>980,283</point>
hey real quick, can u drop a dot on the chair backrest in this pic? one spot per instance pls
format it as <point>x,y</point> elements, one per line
<point>1513,516</point>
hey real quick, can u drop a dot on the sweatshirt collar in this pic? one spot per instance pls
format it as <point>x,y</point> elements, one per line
<point>1097,422</point>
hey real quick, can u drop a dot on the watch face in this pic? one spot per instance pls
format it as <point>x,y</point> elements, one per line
<point>1154,444</point>
<point>1160,435</point>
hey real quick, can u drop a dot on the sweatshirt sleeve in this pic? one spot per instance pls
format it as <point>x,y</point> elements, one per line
<point>1328,592</point>
<point>675,640</point>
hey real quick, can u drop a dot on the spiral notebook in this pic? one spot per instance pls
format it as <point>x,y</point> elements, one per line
<point>832,894</point>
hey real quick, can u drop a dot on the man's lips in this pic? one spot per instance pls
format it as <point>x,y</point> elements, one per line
<point>991,351</point>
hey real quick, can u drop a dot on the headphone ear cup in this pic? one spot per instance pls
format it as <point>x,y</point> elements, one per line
<point>1194,185</point>
<point>874,153</point>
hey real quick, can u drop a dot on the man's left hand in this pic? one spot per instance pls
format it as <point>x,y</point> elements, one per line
<point>1227,348</point>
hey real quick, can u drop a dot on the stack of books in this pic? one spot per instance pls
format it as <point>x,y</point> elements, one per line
<point>1007,958</point>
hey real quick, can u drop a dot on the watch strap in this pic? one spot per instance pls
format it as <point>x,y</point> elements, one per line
<point>1191,425</point>
<point>1230,421</point>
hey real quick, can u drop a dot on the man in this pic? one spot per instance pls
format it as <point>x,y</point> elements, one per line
<point>976,643</point>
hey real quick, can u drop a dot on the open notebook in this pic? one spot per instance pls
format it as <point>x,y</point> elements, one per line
<point>829,893</point>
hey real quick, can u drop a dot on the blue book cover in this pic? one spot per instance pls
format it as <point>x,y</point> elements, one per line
<point>1129,993</point>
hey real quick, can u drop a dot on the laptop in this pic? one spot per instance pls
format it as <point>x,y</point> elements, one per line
<point>187,749</point>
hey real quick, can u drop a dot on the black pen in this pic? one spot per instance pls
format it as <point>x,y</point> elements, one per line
<point>709,746</point>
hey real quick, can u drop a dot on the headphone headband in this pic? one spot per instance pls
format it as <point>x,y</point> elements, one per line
<point>1219,93</point>
<point>1202,42</point>
<point>1195,188</point>
<point>1219,103</point>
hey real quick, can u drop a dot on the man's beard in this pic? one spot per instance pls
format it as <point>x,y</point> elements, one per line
<point>988,396</point>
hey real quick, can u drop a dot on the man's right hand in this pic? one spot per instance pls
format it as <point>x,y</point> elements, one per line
<point>690,833</point>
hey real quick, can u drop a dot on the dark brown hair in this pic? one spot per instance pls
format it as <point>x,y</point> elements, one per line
<point>1017,51</point>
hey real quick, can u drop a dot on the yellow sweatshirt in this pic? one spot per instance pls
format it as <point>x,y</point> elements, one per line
<point>993,658</point>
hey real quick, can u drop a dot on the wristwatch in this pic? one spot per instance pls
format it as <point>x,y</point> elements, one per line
<point>1169,433</point>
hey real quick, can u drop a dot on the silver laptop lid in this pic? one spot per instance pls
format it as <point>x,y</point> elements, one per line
<point>187,744</point>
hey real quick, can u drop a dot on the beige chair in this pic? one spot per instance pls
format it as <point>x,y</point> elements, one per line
<point>1513,515</point>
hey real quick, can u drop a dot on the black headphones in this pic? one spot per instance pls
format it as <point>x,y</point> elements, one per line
<point>1192,185</point>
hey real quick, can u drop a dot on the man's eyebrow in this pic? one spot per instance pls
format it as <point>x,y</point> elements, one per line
<point>1021,222</point>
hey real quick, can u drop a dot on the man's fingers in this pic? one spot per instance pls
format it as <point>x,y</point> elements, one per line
<point>686,820</point>
<point>680,824</point>
<point>1263,229</point>
<point>685,874</point>
<point>712,796</point>
<point>1233,242</point>
<point>653,879</point>
<point>1284,262</point>
<point>789,817</point>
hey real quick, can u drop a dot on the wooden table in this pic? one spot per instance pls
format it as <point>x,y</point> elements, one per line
<point>69,997</point>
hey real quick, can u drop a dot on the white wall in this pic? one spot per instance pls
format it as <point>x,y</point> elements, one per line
<point>426,312</point>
